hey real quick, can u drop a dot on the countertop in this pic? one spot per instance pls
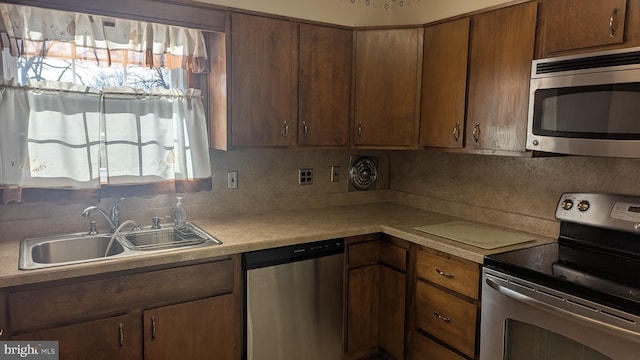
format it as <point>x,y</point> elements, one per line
<point>254,232</point>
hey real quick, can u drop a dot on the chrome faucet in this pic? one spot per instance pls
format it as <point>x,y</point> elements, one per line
<point>113,220</point>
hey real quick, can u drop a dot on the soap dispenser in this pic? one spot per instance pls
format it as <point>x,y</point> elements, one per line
<point>179,215</point>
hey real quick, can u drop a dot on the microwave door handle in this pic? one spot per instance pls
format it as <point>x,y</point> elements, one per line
<point>611,329</point>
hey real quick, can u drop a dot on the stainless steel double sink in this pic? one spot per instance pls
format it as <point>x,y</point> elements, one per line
<point>37,253</point>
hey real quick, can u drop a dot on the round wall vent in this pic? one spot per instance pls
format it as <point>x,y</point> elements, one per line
<point>363,173</point>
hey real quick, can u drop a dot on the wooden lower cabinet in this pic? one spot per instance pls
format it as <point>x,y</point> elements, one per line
<point>443,320</point>
<point>362,310</point>
<point>425,348</point>
<point>376,286</point>
<point>184,312</point>
<point>116,337</point>
<point>393,285</point>
<point>200,329</point>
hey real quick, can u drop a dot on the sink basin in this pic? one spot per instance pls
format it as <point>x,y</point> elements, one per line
<point>65,249</point>
<point>73,249</point>
<point>167,238</point>
<point>70,249</point>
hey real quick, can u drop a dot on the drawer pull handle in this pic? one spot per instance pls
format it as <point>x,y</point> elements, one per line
<point>443,318</point>
<point>153,328</point>
<point>120,335</point>
<point>440,272</point>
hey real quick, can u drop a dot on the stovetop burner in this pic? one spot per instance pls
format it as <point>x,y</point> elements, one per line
<point>596,257</point>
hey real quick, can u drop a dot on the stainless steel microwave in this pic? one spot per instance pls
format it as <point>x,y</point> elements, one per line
<point>586,104</point>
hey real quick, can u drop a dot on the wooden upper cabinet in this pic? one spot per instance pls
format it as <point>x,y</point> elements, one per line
<point>501,51</point>
<point>325,86</point>
<point>578,24</point>
<point>444,84</point>
<point>387,69</point>
<point>264,81</point>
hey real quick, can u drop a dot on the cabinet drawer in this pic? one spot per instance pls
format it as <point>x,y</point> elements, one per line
<point>365,253</point>
<point>393,256</point>
<point>446,317</point>
<point>79,301</point>
<point>423,348</point>
<point>455,274</point>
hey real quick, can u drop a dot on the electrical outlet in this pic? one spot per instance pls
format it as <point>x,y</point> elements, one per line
<point>335,173</point>
<point>305,176</point>
<point>232,179</point>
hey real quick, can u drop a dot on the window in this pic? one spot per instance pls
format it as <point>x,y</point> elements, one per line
<point>94,105</point>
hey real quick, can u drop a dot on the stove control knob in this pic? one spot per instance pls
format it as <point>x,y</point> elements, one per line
<point>583,205</point>
<point>567,204</point>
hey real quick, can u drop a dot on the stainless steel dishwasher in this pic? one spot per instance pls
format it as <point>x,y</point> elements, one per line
<point>293,302</point>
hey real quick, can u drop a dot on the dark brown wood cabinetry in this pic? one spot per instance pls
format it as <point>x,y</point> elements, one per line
<point>325,86</point>
<point>290,84</point>
<point>264,81</point>
<point>445,310</point>
<point>386,90</point>
<point>189,311</point>
<point>500,55</point>
<point>375,298</point>
<point>444,84</point>
<point>573,26</point>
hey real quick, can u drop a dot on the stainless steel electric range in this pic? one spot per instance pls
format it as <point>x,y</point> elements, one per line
<point>578,298</point>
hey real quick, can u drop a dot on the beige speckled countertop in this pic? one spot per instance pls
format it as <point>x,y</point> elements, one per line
<point>246,233</point>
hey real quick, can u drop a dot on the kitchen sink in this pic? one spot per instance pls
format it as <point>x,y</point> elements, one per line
<point>36,253</point>
<point>76,248</point>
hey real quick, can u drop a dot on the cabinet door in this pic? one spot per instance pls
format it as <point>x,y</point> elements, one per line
<point>501,52</point>
<point>203,329</point>
<point>444,84</point>
<point>578,24</point>
<point>112,338</point>
<point>325,86</point>
<point>393,285</point>
<point>362,311</point>
<point>264,79</point>
<point>423,348</point>
<point>387,87</point>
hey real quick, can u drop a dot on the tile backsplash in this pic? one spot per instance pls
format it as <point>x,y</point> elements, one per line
<point>514,192</point>
<point>267,181</point>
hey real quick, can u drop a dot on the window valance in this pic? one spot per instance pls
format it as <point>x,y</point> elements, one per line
<point>35,31</point>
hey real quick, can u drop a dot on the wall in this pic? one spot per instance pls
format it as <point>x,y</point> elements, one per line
<point>510,191</point>
<point>267,182</point>
<point>363,12</point>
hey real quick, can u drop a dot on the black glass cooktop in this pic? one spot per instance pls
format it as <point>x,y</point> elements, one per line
<point>587,268</point>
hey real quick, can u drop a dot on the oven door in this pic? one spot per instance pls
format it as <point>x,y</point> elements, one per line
<point>525,321</point>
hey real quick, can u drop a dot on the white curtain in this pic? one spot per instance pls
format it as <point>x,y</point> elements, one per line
<point>104,40</point>
<point>58,136</point>
<point>155,135</point>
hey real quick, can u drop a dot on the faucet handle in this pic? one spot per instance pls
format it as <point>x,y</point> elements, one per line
<point>115,212</point>
<point>156,222</point>
<point>93,228</point>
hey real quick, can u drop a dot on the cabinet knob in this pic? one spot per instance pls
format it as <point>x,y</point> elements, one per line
<point>476,132</point>
<point>360,129</point>
<point>456,132</point>
<point>285,133</point>
<point>613,22</point>
<point>305,128</point>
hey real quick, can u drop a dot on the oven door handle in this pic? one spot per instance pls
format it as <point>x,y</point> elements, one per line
<point>599,325</point>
